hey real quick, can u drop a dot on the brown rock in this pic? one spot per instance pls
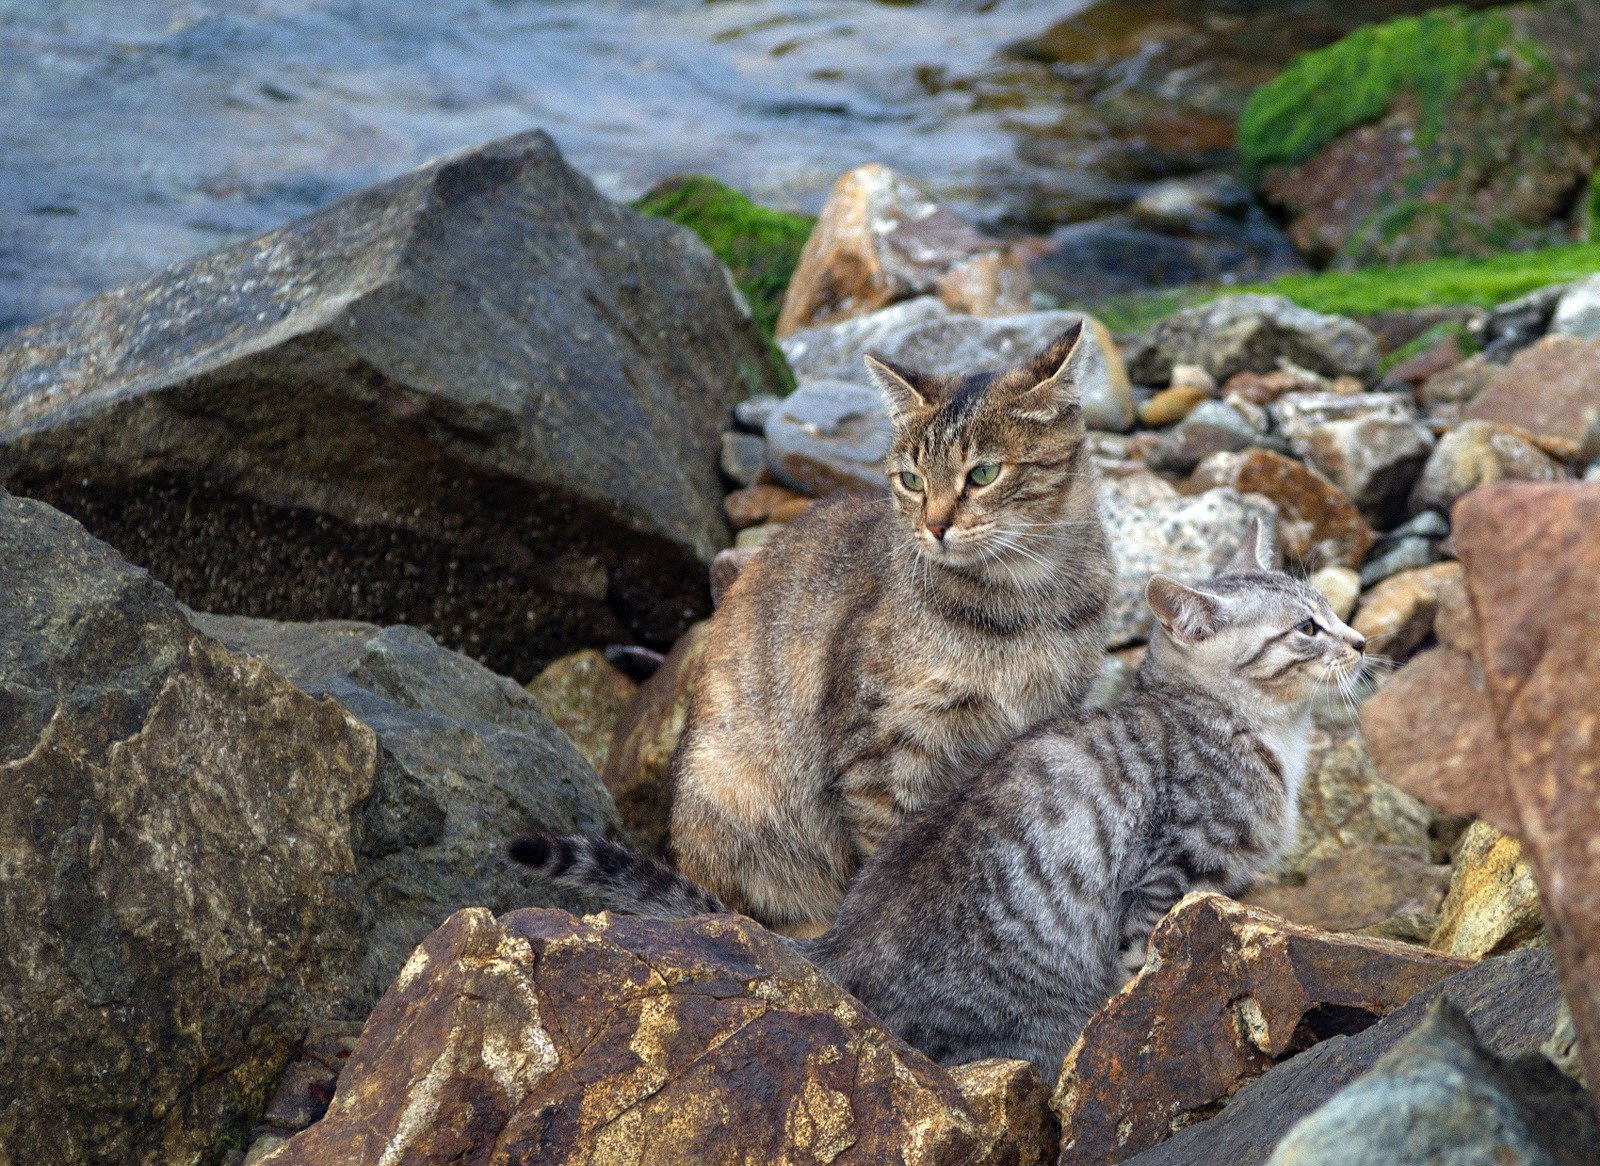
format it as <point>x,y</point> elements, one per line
<point>879,240</point>
<point>1459,384</point>
<point>637,772</point>
<point>1551,388</point>
<point>541,1037</point>
<point>1012,1103</point>
<point>1476,453</point>
<point>307,1086</point>
<point>1230,992</point>
<point>1444,353</point>
<point>763,502</point>
<point>1493,904</point>
<point>1171,405</point>
<point>585,697</point>
<point>1347,890</point>
<point>1318,524</point>
<point>1398,613</point>
<point>1262,388</point>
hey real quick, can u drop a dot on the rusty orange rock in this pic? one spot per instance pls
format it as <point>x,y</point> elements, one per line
<point>1318,523</point>
<point>1551,388</point>
<point>1230,992</point>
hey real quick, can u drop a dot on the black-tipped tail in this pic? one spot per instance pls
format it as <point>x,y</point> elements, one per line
<point>627,880</point>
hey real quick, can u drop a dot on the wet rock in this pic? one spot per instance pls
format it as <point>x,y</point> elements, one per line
<point>1439,1097</point>
<point>1358,890</point>
<point>1171,405</point>
<point>638,770</point>
<point>426,404</point>
<point>465,761</point>
<point>1296,414</point>
<point>1411,553</point>
<point>830,436</point>
<point>1375,461</point>
<point>1474,454</point>
<point>1210,428</point>
<point>743,457</point>
<point>1153,529</point>
<point>1345,805</point>
<point>180,828</point>
<point>1520,752</point>
<point>1493,904</point>
<point>1317,523</point>
<point>1397,614</point>
<point>540,1036</point>
<point>1239,333</point>
<point>1459,383</point>
<point>924,335</point>
<point>880,239</point>
<point>763,503</point>
<point>1578,310</point>
<point>1229,992</point>
<point>1551,389</point>
<point>584,696</point>
<point>1340,586</point>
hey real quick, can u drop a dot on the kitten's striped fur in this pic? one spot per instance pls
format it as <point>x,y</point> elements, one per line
<point>862,664</point>
<point>996,921</point>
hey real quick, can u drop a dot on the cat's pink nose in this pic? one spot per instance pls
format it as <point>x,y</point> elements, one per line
<point>937,529</point>
<point>1359,643</point>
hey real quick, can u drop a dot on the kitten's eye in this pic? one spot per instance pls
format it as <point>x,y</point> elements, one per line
<point>984,474</point>
<point>911,481</point>
<point>1307,627</point>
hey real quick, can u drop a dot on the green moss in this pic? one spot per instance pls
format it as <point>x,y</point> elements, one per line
<point>1356,80</point>
<point>759,245</point>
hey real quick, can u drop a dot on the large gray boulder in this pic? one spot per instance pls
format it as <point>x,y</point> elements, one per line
<point>1251,333</point>
<point>465,761</point>
<point>480,399</point>
<point>179,893</point>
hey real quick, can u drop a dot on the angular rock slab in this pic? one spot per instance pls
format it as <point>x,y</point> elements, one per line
<point>1551,388</point>
<point>180,894</point>
<point>1511,1001</point>
<point>1229,992</point>
<point>465,761</point>
<point>541,1037</point>
<point>479,399</point>
<point>1251,333</point>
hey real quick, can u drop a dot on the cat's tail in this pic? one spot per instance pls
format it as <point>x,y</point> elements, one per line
<point>625,879</point>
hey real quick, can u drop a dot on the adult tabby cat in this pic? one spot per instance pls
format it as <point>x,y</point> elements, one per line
<point>882,648</point>
<point>996,921</point>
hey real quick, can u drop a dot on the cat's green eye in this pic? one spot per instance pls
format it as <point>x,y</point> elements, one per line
<point>1307,627</point>
<point>984,474</point>
<point>911,481</point>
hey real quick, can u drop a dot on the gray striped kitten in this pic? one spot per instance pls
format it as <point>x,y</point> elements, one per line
<point>997,920</point>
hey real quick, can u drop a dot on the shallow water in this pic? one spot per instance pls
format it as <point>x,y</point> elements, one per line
<point>137,133</point>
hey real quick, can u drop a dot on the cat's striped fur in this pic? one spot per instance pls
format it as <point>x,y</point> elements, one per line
<point>881,649</point>
<point>996,921</point>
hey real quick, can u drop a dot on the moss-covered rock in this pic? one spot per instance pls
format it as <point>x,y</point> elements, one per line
<point>1449,133</point>
<point>760,246</point>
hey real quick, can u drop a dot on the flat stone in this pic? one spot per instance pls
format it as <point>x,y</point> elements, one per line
<point>1250,332</point>
<point>830,436</point>
<point>1492,906</point>
<point>1230,992</point>
<point>1349,890</point>
<point>1397,614</point>
<point>1551,388</point>
<point>538,1036</point>
<point>1476,453</point>
<point>427,404</point>
<point>584,695</point>
<point>751,414</point>
<point>1374,460</point>
<point>1012,1103</point>
<point>1318,524</point>
<point>1211,427</point>
<point>1405,554</point>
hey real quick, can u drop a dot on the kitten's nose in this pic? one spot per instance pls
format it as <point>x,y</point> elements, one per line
<point>937,529</point>
<point>1359,643</point>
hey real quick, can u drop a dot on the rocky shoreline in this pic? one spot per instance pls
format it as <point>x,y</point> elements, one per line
<point>307,551</point>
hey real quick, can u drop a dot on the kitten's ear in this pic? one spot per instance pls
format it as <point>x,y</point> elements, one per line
<point>1052,378</point>
<point>903,388</point>
<point>1186,613</point>
<point>1254,553</point>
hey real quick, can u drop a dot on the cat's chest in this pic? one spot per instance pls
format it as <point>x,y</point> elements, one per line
<point>1011,684</point>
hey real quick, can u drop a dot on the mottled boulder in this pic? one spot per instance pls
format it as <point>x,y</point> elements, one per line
<point>1439,1097</point>
<point>1374,461</point>
<point>1318,525</point>
<point>1229,992</point>
<point>1252,333</point>
<point>181,893</point>
<point>638,772</point>
<point>1210,428</point>
<point>479,399</point>
<point>1511,1002</point>
<point>1012,1102</point>
<point>1550,389</point>
<point>924,335</point>
<point>465,761</point>
<point>1476,453</point>
<point>1153,529</point>
<point>541,1037</point>
<point>1523,751</point>
<point>585,697</point>
<point>1492,906</point>
<point>881,239</point>
<point>1296,414</point>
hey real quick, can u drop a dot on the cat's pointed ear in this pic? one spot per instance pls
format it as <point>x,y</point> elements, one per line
<point>1187,613</point>
<point>1254,553</point>
<point>904,389</point>
<point>1051,379</point>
